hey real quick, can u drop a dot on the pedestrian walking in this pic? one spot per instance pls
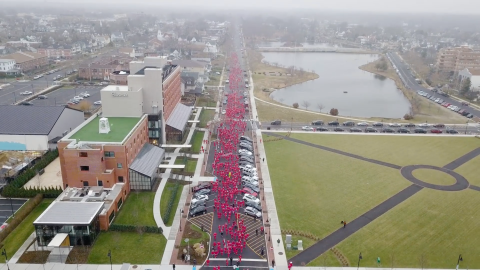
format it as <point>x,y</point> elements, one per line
<point>290,264</point>
<point>263,159</point>
<point>231,260</point>
<point>256,231</point>
<point>344,223</point>
<point>207,262</point>
<point>194,262</point>
<point>173,265</point>
<point>273,263</point>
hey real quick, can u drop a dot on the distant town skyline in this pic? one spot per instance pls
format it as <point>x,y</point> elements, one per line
<point>404,6</point>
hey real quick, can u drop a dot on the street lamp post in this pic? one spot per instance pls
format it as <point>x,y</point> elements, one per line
<point>181,212</point>
<point>4,253</point>
<point>466,126</point>
<point>11,205</point>
<point>359,258</point>
<point>110,256</point>
<point>291,125</point>
<point>460,259</point>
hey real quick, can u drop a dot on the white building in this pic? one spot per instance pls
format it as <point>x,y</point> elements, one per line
<point>473,74</point>
<point>35,128</point>
<point>7,65</point>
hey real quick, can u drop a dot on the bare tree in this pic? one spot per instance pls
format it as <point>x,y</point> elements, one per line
<point>320,107</point>
<point>305,104</point>
<point>423,261</point>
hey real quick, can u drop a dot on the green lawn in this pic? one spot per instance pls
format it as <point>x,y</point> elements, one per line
<point>197,141</point>
<point>128,247</point>
<point>307,242</point>
<point>399,150</point>
<point>206,101</point>
<point>469,170</point>
<point>166,194</point>
<point>432,226</point>
<point>189,167</point>
<point>119,128</point>
<point>326,259</point>
<point>303,175</point>
<point>137,210</point>
<point>16,238</point>
<point>205,116</point>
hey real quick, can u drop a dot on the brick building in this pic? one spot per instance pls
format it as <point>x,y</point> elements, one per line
<point>27,61</point>
<point>90,157</point>
<point>59,52</point>
<point>102,69</point>
<point>458,58</point>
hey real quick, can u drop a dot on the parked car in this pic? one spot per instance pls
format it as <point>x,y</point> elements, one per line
<point>250,198</point>
<point>451,131</point>
<point>307,128</point>
<point>85,95</point>
<point>201,186</point>
<point>439,126</point>
<point>355,130</point>
<point>317,123</point>
<point>253,212</point>
<point>394,125</point>
<point>403,130</point>
<point>363,124</point>
<point>245,138</point>
<point>409,125</point>
<point>424,125</point>
<point>26,103</point>
<point>388,130</point>
<point>337,129</point>
<point>377,124</point>
<point>333,123</point>
<point>276,123</point>
<point>78,97</point>
<point>436,131</point>
<point>202,192</point>
<point>469,115</point>
<point>26,93</point>
<point>322,129</point>
<point>370,130</point>
<point>249,191</point>
<point>348,124</point>
<point>199,210</point>
<point>254,205</point>
<point>42,97</point>
<point>420,130</point>
<point>97,102</point>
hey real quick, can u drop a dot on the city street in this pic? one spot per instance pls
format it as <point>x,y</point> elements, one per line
<point>411,84</point>
<point>10,93</point>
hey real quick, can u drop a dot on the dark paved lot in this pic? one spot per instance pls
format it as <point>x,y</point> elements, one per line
<point>6,206</point>
<point>63,95</point>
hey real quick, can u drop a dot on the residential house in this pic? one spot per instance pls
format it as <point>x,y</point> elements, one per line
<point>473,75</point>
<point>7,67</point>
<point>194,66</point>
<point>117,37</point>
<point>27,61</point>
<point>60,51</point>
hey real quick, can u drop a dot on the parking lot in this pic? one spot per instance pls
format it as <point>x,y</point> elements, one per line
<point>6,207</point>
<point>62,95</point>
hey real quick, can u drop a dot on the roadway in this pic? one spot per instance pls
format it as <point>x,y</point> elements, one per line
<point>409,81</point>
<point>10,93</point>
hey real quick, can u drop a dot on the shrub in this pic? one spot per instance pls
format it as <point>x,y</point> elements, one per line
<point>171,200</point>
<point>295,105</point>
<point>334,111</point>
<point>407,117</point>
<point>134,228</point>
<point>20,215</point>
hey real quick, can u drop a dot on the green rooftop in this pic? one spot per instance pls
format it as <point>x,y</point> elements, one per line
<point>119,128</point>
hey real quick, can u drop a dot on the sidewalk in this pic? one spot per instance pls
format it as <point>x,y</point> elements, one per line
<point>158,194</point>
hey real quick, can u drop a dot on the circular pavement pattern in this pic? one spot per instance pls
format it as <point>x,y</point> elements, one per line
<point>461,182</point>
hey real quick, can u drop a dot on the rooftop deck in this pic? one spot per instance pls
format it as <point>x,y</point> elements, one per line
<point>119,129</point>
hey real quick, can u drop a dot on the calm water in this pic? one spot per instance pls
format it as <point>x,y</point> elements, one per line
<point>368,95</point>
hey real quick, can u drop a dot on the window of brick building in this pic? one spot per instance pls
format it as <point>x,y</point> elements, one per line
<point>119,165</point>
<point>83,154</point>
<point>109,154</point>
<point>85,183</point>
<point>120,179</point>
<point>85,168</point>
<point>100,183</point>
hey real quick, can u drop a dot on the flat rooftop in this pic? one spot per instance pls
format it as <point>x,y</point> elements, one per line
<point>119,128</point>
<point>69,213</point>
<point>115,88</point>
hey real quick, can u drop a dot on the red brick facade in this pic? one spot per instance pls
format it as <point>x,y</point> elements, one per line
<point>172,92</point>
<point>101,167</point>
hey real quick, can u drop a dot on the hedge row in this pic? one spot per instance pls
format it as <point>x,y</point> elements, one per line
<point>20,215</point>
<point>171,200</point>
<point>133,228</point>
<point>15,189</point>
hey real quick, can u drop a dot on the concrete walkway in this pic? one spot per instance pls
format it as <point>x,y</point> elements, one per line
<point>275,231</point>
<point>158,194</point>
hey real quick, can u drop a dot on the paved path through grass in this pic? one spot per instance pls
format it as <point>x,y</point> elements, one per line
<point>463,159</point>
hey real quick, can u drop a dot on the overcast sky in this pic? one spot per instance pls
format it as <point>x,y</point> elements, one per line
<point>433,6</point>
<point>398,6</point>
